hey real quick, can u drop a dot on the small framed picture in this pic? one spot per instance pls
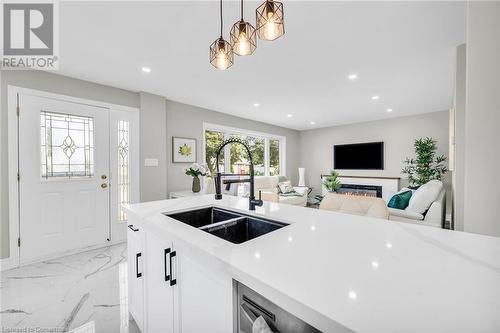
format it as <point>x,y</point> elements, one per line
<point>183,150</point>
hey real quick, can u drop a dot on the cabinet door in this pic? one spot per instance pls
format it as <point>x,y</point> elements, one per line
<point>203,295</point>
<point>135,254</point>
<point>159,291</point>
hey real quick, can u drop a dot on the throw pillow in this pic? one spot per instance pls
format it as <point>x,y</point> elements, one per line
<point>286,187</point>
<point>424,196</point>
<point>400,200</point>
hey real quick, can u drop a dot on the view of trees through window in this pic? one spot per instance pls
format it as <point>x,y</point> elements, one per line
<point>274,157</point>
<point>213,140</point>
<point>238,159</point>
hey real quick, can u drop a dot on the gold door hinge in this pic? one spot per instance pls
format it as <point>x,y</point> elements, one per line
<point>18,110</point>
<point>18,242</point>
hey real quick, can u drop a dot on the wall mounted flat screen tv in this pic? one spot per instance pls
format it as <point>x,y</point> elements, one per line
<point>359,156</point>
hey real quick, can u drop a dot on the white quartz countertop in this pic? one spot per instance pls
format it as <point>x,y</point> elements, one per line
<point>367,274</point>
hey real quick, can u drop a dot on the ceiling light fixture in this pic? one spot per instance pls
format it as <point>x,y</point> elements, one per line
<point>256,105</point>
<point>352,77</point>
<point>289,115</point>
<point>221,52</point>
<point>389,110</point>
<point>242,37</point>
<point>146,69</point>
<point>270,20</point>
<point>375,97</point>
<point>312,123</point>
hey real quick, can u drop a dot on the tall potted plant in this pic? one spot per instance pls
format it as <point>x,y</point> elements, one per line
<point>196,170</point>
<point>426,165</point>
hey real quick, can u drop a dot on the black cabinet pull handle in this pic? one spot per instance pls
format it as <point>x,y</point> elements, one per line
<point>172,280</point>
<point>167,276</point>
<point>137,255</point>
<point>131,227</point>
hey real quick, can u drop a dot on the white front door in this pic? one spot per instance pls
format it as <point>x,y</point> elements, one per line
<point>64,175</point>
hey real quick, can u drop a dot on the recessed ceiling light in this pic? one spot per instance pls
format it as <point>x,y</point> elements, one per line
<point>146,69</point>
<point>375,97</point>
<point>375,264</point>
<point>352,76</point>
<point>352,295</point>
<point>289,115</point>
<point>256,105</point>
<point>312,123</point>
<point>389,110</point>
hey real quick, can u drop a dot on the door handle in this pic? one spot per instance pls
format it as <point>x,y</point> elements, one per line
<point>165,252</point>
<point>104,185</point>
<point>137,255</point>
<point>172,280</point>
<point>131,227</point>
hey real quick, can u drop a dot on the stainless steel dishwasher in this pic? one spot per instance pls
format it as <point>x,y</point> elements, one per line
<point>249,306</point>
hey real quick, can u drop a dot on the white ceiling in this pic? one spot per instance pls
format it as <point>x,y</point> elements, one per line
<point>401,51</point>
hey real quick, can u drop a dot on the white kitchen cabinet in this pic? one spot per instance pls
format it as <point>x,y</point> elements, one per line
<point>184,292</point>
<point>160,284</point>
<point>203,295</point>
<point>135,250</point>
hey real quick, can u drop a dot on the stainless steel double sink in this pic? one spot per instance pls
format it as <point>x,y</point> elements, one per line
<point>232,226</point>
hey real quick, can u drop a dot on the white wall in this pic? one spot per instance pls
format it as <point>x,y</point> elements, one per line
<point>482,119</point>
<point>398,135</point>
<point>187,121</point>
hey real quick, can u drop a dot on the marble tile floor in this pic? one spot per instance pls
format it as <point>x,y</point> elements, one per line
<point>85,292</point>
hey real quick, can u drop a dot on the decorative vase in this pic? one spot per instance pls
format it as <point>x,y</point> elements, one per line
<point>196,185</point>
<point>302,172</point>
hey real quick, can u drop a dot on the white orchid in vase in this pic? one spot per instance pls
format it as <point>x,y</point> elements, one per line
<point>196,170</point>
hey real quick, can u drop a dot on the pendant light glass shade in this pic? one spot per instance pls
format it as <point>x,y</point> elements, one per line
<point>243,38</point>
<point>221,54</point>
<point>270,20</point>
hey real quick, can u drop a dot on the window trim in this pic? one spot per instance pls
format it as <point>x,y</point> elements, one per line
<point>228,131</point>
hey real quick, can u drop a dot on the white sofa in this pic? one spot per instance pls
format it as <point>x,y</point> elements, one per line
<point>426,209</point>
<point>268,185</point>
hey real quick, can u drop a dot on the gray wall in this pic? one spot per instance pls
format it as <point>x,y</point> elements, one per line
<point>482,119</point>
<point>459,165</point>
<point>398,135</point>
<point>55,84</point>
<point>187,121</point>
<point>153,145</point>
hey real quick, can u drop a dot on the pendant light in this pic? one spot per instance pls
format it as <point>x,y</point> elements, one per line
<point>221,52</point>
<point>270,20</point>
<point>242,37</point>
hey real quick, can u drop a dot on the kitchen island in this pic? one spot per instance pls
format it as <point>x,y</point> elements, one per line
<point>336,272</point>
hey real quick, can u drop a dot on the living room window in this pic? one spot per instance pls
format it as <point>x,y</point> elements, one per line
<point>267,151</point>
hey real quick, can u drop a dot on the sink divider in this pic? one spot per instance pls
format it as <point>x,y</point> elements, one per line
<point>222,224</point>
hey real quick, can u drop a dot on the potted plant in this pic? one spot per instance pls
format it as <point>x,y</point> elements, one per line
<point>426,165</point>
<point>331,182</point>
<point>196,170</point>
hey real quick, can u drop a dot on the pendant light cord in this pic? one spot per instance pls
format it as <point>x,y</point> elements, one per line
<point>221,19</point>
<point>242,10</point>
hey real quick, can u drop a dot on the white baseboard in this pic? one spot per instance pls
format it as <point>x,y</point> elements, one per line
<point>7,263</point>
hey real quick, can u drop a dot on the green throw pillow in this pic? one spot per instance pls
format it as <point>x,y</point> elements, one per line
<point>400,200</point>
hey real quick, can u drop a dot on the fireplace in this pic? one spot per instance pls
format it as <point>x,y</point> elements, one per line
<point>381,187</point>
<point>361,190</point>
